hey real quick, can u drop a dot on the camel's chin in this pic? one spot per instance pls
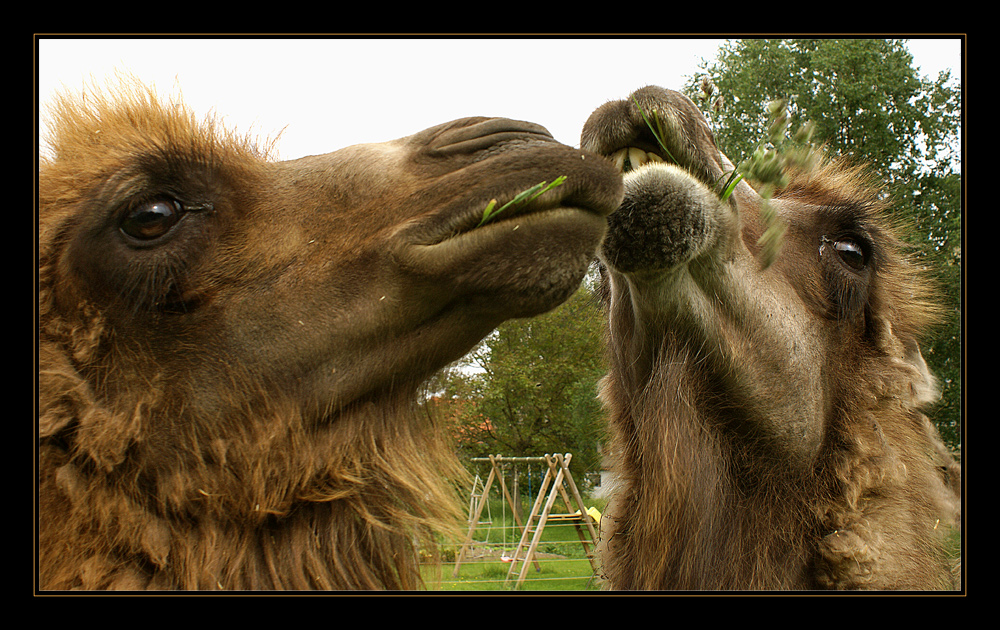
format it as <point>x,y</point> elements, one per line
<point>667,218</point>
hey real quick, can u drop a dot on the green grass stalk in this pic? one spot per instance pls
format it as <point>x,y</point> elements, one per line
<point>522,198</point>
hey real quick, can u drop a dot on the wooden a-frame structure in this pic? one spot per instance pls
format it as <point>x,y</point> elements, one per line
<point>558,481</point>
<point>495,473</point>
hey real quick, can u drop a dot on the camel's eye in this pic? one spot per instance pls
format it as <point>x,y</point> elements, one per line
<point>851,252</point>
<point>151,219</point>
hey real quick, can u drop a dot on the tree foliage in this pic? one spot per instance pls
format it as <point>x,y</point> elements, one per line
<point>530,387</point>
<point>865,101</point>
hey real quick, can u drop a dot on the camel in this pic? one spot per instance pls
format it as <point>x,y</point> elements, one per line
<point>766,416</point>
<point>230,346</point>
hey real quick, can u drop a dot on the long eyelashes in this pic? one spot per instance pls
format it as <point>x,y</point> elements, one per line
<point>847,261</point>
<point>147,223</point>
<point>151,220</point>
<point>157,239</point>
<point>853,251</point>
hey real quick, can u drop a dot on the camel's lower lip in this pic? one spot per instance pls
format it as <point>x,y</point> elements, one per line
<point>522,220</point>
<point>469,245</point>
<point>481,223</point>
<point>668,218</point>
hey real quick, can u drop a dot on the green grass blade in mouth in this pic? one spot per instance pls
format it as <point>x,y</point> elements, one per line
<point>488,211</point>
<point>523,197</point>
<point>731,183</point>
<point>657,131</point>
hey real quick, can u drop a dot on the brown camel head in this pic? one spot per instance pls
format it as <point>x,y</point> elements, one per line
<point>765,408</point>
<point>216,327</point>
<point>689,266</point>
<point>336,275</point>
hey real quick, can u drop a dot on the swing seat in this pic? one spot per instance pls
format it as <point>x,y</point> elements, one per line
<point>565,517</point>
<point>592,512</point>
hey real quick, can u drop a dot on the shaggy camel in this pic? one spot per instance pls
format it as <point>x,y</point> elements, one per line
<point>230,347</point>
<point>765,417</point>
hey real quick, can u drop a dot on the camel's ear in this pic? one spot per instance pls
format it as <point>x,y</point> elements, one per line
<point>923,386</point>
<point>67,402</point>
<point>61,390</point>
<point>904,350</point>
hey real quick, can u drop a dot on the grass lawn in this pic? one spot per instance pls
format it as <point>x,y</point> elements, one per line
<point>563,563</point>
<point>555,575</point>
<point>562,560</point>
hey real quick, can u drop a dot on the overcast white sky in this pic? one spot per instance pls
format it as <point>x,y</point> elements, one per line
<point>333,92</point>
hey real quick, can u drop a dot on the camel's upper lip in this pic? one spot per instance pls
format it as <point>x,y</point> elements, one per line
<point>631,136</point>
<point>644,147</point>
<point>638,155</point>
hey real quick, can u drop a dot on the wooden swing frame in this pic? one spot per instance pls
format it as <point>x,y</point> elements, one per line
<point>558,481</point>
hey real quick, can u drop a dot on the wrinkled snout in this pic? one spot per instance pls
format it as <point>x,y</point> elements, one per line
<point>658,125</point>
<point>671,212</point>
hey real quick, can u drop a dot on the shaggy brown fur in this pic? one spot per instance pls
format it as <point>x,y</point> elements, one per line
<point>230,347</point>
<point>765,420</point>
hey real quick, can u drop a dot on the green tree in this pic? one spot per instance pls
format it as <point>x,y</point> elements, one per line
<point>530,387</point>
<point>866,101</point>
